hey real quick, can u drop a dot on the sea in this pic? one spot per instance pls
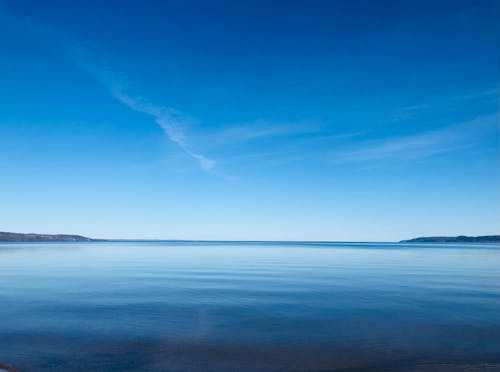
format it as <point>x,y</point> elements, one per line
<point>249,306</point>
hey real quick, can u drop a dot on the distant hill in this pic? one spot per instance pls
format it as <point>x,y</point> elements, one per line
<point>455,239</point>
<point>16,237</point>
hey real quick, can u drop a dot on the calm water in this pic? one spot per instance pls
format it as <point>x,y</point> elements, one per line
<point>241,306</point>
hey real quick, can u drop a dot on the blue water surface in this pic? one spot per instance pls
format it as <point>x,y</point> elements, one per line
<point>227,306</point>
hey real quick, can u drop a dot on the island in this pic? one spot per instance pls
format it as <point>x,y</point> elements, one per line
<point>455,239</point>
<point>18,237</point>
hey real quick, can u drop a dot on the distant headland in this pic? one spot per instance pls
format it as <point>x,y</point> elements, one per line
<point>17,237</point>
<point>31,237</point>
<point>455,239</point>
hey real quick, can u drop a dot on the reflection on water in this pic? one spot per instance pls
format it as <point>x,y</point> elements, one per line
<point>249,306</point>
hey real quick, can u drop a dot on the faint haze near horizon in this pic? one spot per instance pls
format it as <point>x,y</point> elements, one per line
<point>289,120</point>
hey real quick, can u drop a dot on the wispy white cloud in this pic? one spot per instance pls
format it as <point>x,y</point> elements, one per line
<point>423,145</point>
<point>408,112</point>
<point>273,144</point>
<point>170,120</point>
<point>265,129</point>
<point>96,65</point>
<point>444,104</point>
<point>479,95</point>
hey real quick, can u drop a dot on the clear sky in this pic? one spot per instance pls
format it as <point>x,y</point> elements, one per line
<point>280,120</point>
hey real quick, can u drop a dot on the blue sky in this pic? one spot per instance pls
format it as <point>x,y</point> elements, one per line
<point>280,120</point>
